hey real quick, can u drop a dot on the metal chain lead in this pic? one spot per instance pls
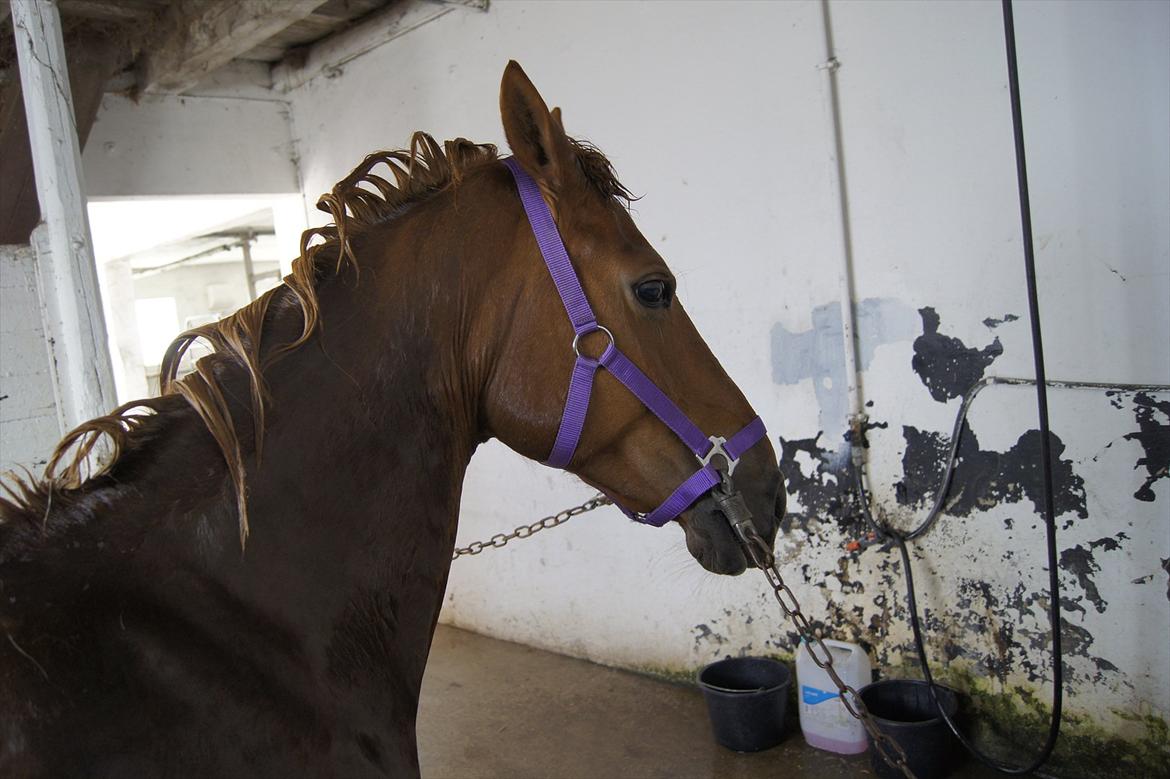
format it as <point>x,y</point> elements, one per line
<point>849,696</point>
<point>524,531</point>
<point>730,503</point>
<point>763,559</point>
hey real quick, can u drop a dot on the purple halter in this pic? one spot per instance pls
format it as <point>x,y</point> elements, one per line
<point>581,383</point>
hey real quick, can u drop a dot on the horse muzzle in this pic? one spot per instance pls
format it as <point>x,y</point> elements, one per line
<point>734,526</point>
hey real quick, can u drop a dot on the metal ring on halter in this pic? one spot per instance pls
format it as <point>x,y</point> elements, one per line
<point>577,337</point>
<point>717,444</point>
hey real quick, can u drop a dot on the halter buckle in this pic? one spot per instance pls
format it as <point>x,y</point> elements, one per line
<point>717,447</point>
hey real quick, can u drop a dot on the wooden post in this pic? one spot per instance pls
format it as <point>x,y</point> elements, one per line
<point>72,312</point>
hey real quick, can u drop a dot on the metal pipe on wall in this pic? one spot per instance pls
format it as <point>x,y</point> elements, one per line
<point>837,179</point>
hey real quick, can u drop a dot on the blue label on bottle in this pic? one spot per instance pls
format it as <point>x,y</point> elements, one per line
<point>813,696</point>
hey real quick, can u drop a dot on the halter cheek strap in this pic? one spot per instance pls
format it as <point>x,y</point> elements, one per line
<point>581,382</point>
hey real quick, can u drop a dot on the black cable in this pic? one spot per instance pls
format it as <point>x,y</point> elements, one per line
<point>1045,456</point>
<point>924,665</point>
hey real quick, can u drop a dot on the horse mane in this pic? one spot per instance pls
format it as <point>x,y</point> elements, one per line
<point>361,200</point>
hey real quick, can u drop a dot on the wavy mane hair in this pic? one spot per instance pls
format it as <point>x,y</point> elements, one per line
<point>361,200</point>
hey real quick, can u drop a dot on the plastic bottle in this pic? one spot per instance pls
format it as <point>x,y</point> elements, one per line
<point>823,718</point>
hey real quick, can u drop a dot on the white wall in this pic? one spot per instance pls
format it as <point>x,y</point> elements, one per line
<point>177,145</point>
<point>29,424</point>
<point>200,290</point>
<point>718,112</point>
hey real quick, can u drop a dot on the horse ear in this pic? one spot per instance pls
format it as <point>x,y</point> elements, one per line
<point>535,135</point>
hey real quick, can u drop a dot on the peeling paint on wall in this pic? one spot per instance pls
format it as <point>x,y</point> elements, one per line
<point>996,629</point>
<point>1080,563</point>
<point>818,477</point>
<point>984,478</point>
<point>819,352</point>
<point>703,632</point>
<point>1154,436</point>
<point>994,323</point>
<point>946,365</point>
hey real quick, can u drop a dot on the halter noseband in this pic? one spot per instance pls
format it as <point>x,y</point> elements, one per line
<point>581,383</point>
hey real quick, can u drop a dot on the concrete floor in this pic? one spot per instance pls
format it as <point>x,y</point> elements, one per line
<point>501,710</point>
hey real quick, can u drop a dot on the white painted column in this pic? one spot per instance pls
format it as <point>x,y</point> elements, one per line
<point>122,323</point>
<point>65,263</point>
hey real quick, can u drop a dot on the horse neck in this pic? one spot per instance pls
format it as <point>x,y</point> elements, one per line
<point>352,504</point>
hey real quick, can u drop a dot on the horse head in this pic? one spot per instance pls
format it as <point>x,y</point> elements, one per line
<point>625,448</point>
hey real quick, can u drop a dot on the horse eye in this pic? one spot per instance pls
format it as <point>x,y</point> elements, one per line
<point>654,294</point>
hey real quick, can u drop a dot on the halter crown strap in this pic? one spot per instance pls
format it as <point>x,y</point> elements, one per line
<point>568,285</point>
<point>552,248</point>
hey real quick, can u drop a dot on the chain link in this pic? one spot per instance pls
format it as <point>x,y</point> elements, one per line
<point>499,540</point>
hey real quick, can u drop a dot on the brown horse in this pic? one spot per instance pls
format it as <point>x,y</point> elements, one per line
<point>250,584</point>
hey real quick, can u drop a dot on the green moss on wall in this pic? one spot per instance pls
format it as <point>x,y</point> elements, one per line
<point>1012,725</point>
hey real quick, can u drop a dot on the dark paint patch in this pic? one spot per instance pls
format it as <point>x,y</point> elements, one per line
<point>825,492</point>
<point>994,323</point>
<point>1154,436</point>
<point>983,478</point>
<point>1103,664</point>
<point>1080,563</point>
<point>946,365</point>
<point>1109,544</point>
<point>868,425</point>
<point>703,632</point>
<point>1069,605</point>
<point>1166,568</point>
<point>1074,639</point>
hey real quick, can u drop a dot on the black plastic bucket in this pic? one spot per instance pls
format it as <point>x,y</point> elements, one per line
<point>746,698</point>
<point>904,711</point>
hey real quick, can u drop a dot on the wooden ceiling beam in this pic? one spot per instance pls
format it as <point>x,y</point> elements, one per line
<point>101,9</point>
<point>199,36</point>
<point>301,65</point>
